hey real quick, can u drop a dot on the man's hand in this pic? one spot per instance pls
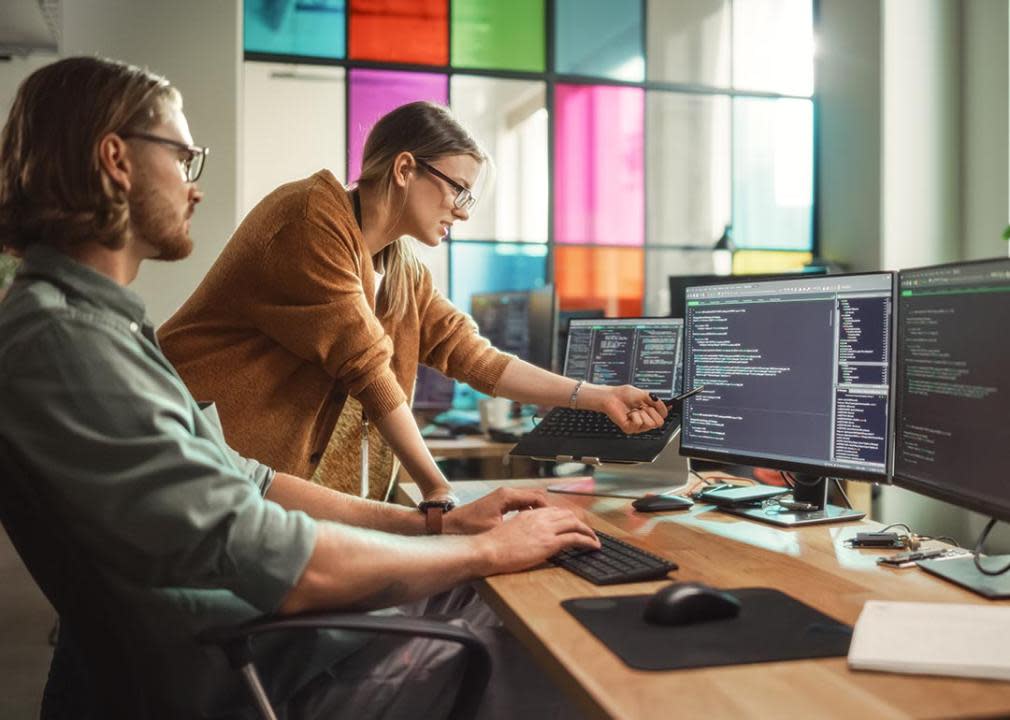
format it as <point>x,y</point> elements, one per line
<point>529,538</point>
<point>631,409</point>
<point>487,512</point>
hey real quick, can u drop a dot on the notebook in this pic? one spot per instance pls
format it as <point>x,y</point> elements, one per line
<point>955,639</point>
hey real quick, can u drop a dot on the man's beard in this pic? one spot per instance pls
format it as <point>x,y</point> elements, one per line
<point>153,222</point>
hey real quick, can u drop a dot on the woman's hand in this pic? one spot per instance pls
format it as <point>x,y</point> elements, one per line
<point>631,409</point>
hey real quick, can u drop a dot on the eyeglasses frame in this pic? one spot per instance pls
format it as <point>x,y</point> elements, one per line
<point>465,199</point>
<point>194,151</point>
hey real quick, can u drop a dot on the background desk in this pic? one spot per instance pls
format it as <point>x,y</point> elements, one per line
<point>492,457</point>
<point>811,564</point>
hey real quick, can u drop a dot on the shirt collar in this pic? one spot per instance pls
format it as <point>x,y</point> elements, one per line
<point>48,263</point>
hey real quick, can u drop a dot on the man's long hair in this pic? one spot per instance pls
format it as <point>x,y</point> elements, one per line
<point>53,189</point>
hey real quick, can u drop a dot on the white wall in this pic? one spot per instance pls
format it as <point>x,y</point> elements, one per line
<point>197,44</point>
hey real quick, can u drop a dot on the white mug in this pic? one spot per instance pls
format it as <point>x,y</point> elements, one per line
<point>494,413</point>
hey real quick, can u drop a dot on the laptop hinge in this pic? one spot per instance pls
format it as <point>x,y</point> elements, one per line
<point>594,461</point>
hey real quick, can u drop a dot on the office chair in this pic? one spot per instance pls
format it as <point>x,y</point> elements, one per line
<point>97,643</point>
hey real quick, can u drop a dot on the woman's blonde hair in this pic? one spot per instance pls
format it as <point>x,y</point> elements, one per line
<point>428,132</point>
<point>52,186</point>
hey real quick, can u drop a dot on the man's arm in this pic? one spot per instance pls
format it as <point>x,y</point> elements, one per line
<point>353,568</point>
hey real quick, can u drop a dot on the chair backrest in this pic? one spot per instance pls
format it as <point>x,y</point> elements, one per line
<point>69,581</point>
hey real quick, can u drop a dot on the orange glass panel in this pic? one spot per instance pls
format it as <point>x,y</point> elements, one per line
<point>601,277</point>
<point>407,31</point>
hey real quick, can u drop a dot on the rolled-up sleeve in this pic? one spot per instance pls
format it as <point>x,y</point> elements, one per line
<point>119,452</point>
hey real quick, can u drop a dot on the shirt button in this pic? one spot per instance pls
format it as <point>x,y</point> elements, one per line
<point>134,327</point>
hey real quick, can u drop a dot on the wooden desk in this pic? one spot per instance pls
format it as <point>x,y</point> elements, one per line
<point>467,446</point>
<point>811,564</point>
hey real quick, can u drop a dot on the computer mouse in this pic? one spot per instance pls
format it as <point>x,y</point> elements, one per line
<point>658,503</point>
<point>687,603</point>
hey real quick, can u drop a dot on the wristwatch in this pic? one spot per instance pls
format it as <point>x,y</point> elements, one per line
<point>433,511</point>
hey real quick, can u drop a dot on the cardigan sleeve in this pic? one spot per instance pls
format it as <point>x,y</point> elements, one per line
<point>451,343</point>
<point>309,298</point>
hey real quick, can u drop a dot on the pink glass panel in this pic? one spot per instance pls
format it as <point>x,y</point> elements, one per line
<point>375,92</point>
<point>599,186</point>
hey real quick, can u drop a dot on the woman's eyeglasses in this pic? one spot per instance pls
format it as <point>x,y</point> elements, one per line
<point>465,200</point>
<point>191,164</point>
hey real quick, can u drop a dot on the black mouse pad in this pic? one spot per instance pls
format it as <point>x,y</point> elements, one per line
<point>771,627</point>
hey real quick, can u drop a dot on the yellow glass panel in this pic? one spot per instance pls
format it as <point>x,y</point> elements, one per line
<point>748,262</point>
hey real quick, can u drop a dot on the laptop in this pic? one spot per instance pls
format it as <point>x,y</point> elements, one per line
<point>644,352</point>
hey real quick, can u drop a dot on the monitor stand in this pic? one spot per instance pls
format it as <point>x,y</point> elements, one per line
<point>810,489</point>
<point>962,571</point>
<point>668,472</point>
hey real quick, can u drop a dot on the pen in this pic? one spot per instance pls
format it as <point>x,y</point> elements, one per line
<point>670,402</point>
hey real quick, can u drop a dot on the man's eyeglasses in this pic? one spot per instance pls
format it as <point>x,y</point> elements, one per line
<point>465,200</point>
<point>191,164</point>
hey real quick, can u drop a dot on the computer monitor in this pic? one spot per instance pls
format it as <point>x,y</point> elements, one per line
<point>520,322</point>
<point>433,391</point>
<point>797,377</point>
<point>646,353</point>
<point>680,283</point>
<point>561,336</point>
<point>952,425</point>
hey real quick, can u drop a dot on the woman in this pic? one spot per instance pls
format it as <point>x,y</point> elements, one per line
<point>317,310</point>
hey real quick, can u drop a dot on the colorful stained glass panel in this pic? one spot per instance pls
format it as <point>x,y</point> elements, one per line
<point>495,267</point>
<point>498,34</point>
<point>402,31</point>
<point>689,42</point>
<point>374,93</point>
<point>599,195</point>
<point>314,28</point>
<point>609,278</point>
<point>600,38</point>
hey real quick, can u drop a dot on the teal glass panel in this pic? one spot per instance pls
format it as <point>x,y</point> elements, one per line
<point>507,35</point>
<point>773,173</point>
<point>314,28</point>
<point>601,38</point>
<point>494,267</point>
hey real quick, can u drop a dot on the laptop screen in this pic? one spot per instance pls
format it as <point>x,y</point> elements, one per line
<point>644,352</point>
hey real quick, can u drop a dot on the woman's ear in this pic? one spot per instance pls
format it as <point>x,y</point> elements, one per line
<point>114,160</point>
<point>404,167</point>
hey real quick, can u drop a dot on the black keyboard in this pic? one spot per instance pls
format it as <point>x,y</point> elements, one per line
<point>615,562</point>
<point>565,422</point>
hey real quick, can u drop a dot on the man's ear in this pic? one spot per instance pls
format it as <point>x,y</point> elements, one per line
<point>114,160</point>
<point>403,167</point>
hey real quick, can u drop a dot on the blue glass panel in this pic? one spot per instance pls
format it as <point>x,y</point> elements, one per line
<point>295,27</point>
<point>773,173</point>
<point>494,267</point>
<point>602,38</point>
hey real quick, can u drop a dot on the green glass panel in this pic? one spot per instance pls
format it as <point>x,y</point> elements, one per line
<point>497,34</point>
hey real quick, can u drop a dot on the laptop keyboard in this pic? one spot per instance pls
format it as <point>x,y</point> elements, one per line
<point>615,562</point>
<point>565,422</point>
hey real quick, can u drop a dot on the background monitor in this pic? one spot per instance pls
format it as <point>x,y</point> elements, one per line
<point>644,352</point>
<point>680,283</point>
<point>521,322</point>
<point>433,391</point>
<point>796,375</point>
<point>561,336</point>
<point>952,399</point>
<point>952,424</point>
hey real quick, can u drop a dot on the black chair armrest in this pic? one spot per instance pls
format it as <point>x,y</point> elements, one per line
<point>237,645</point>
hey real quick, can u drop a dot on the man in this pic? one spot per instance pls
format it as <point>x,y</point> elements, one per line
<point>97,174</point>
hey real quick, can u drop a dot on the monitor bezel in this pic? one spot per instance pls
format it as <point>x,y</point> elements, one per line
<point>972,503</point>
<point>798,467</point>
